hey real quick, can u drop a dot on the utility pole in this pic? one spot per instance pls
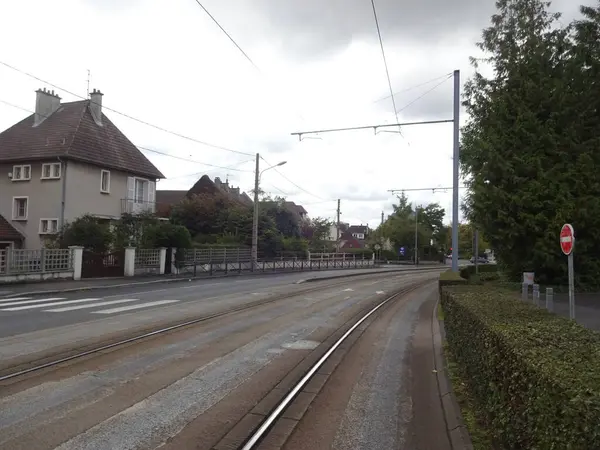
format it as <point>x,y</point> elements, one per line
<point>455,170</point>
<point>337,231</point>
<point>416,234</point>
<point>255,217</point>
<point>381,217</point>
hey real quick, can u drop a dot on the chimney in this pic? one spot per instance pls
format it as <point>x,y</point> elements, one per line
<point>96,106</point>
<point>46,102</point>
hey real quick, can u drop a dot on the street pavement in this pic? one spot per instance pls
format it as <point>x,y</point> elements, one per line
<point>29,313</point>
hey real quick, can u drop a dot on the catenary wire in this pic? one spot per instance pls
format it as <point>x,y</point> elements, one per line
<point>158,127</point>
<point>423,95</point>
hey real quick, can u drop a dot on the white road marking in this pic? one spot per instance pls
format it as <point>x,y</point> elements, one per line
<point>348,290</point>
<point>45,305</point>
<point>380,292</point>
<point>128,308</point>
<point>27,302</point>
<point>14,299</point>
<point>92,305</point>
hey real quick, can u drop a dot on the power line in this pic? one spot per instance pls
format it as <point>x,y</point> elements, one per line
<point>387,72</point>
<point>290,181</point>
<point>412,88</point>
<point>424,94</point>
<point>374,127</point>
<point>174,133</point>
<point>138,146</point>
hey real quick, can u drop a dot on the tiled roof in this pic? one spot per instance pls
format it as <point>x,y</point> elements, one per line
<point>358,229</point>
<point>71,133</point>
<point>8,232</point>
<point>164,197</point>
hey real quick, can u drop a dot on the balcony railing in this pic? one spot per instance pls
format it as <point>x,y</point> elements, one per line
<point>133,206</point>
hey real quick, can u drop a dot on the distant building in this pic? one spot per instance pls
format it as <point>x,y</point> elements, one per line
<point>64,161</point>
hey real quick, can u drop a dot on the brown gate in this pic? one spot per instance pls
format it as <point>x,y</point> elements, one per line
<point>98,265</point>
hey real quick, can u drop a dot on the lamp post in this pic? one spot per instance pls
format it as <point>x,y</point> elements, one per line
<point>257,175</point>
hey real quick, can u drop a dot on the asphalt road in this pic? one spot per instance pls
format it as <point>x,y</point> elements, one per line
<point>34,313</point>
<point>186,390</point>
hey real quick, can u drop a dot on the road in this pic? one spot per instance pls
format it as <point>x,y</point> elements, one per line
<point>28,313</point>
<point>203,387</point>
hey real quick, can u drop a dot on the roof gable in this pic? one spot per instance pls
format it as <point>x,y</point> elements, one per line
<point>71,132</point>
<point>8,232</point>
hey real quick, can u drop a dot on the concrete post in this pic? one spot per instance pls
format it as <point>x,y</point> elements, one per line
<point>162,260</point>
<point>77,255</point>
<point>524,292</point>
<point>550,299</point>
<point>129,262</point>
<point>174,269</point>
<point>536,294</point>
<point>308,255</point>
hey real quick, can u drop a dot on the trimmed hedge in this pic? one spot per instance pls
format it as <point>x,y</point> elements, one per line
<point>468,271</point>
<point>534,376</point>
<point>449,278</point>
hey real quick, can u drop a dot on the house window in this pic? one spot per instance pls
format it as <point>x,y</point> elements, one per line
<point>105,181</point>
<point>141,189</point>
<point>48,226</point>
<point>21,173</point>
<point>20,207</point>
<point>51,171</point>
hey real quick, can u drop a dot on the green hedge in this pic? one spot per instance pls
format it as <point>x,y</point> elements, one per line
<point>468,271</point>
<point>535,376</point>
<point>449,278</point>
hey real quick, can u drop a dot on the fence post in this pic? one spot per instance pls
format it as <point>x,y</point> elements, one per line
<point>129,262</point>
<point>162,260</point>
<point>225,257</point>
<point>550,299</point>
<point>536,294</point>
<point>174,269</point>
<point>524,292</point>
<point>43,260</point>
<point>8,260</point>
<point>77,259</point>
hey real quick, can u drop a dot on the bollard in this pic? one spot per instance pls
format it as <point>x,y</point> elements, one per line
<point>536,294</point>
<point>550,299</point>
<point>524,292</point>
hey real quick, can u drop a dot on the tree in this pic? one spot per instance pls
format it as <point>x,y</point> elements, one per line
<point>87,232</point>
<point>316,232</point>
<point>531,163</point>
<point>203,214</point>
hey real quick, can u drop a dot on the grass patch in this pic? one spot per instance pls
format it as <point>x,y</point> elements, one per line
<point>480,437</point>
<point>440,312</point>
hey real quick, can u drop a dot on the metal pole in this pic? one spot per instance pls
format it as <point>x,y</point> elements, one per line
<point>416,234</point>
<point>455,171</point>
<point>337,231</point>
<point>550,299</point>
<point>571,287</point>
<point>476,247</point>
<point>255,217</point>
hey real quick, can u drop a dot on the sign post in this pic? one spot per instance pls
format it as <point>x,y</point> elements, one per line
<point>567,244</point>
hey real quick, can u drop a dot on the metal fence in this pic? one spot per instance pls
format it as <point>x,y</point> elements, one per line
<point>217,255</point>
<point>339,256</point>
<point>147,258</point>
<point>35,261</point>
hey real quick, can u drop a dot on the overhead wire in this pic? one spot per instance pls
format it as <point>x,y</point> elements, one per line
<point>291,182</point>
<point>158,127</point>
<point>417,86</point>
<point>423,94</point>
<point>138,146</point>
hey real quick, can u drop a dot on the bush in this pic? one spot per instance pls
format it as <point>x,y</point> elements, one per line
<point>87,232</point>
<point>534,376</point>
<point>449,278</point>
<point>468,271</point>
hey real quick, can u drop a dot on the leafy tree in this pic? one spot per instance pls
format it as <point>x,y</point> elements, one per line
<point>165,234</point>
<point>530,146</point>
<point>202,214</point>
<point>316,232</point>
<point>130,228</point>
<point>87,232</point>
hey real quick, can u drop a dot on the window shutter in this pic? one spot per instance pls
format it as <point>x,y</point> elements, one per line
<point>130,188</point>
<point>151,191</point>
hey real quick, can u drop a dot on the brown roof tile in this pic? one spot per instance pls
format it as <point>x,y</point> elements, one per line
<point>72,133</point>
<point>8,232</point>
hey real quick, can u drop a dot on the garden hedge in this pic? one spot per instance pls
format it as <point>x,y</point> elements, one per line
<point>449,278</point>
<point>468,271</point>
<point>534,376</point>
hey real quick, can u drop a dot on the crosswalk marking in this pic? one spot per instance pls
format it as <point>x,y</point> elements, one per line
<point>91,305</point>
<point>44,305</point>
<point>27,302</point>
<point>129,308</point>
<point>14,299</point>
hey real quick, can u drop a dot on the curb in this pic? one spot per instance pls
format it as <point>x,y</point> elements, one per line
<point>310,280</point>
<point>457,431</point>
<point>179,279</point>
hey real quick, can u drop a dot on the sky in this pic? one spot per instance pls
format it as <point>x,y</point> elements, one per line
<point>310,65</point>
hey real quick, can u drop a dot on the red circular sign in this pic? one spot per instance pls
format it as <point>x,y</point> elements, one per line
<point>567,238</point>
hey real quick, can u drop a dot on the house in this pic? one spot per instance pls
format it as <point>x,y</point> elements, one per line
<point>66,160</point>
<point>354,236</point>
<point>165,199</point>
<point>297,211</point>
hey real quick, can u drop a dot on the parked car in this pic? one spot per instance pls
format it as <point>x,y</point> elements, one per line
<point>480,260</point>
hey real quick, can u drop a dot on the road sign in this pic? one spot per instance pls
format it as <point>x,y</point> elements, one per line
<point>567,239</point>
<point>567,243</point>
<point>402,250</point>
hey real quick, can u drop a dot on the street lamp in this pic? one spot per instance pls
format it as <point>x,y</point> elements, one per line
<point>257,175</point>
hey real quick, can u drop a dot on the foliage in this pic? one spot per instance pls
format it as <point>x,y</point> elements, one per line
<point>533,375</point>
<point>87,232</point>
<point>468,271</point>
<point>130,228</point>
<point>165,234</point>
<point>530,146</point>
<point>316,232</point>
<point>450,278</point>
<point>466,240</point>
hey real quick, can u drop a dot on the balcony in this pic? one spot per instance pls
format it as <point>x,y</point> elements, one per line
<point>134,206</point>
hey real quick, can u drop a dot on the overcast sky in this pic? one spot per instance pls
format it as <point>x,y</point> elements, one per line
<point>318,66</point>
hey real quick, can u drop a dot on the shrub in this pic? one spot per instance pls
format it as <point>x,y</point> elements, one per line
<point>468,271</point>
<point>449,278</point>
<point>534,376</point>
<point>87,232</point>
